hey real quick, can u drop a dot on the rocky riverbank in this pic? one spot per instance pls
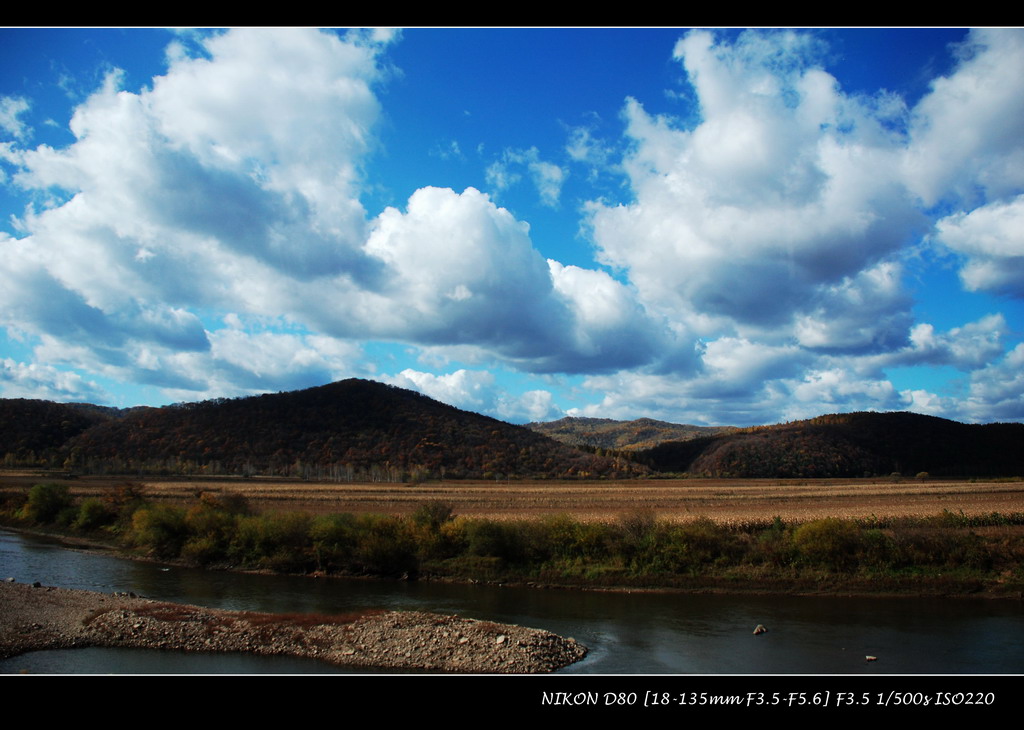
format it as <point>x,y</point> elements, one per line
<point>34,617</point>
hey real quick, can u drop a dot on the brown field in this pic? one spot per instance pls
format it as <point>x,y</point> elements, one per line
<point>724,500</point>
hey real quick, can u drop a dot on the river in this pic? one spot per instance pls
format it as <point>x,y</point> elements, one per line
<point>627,633</point>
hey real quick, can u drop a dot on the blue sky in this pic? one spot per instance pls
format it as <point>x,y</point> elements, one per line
<point>704,226</point>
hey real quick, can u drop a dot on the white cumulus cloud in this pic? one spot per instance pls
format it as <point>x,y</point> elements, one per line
<point>11,108</point>
<point>783,190</point>
<point>991,238</point>
<point>967,134</point>
<point>547,177</point>
<point>44,382</point>
<point>467,389</point>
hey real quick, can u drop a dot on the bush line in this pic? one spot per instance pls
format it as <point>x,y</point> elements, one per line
<point>638,549</point>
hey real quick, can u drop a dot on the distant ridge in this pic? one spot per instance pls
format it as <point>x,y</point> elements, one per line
<point>609,434</point>
<point>850,445</point>
<point>359,430</point>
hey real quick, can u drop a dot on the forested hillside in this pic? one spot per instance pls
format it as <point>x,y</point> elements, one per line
<point>850,445</point>
<point>32,432</point>
<point>358,430</point>
<point>349,430</point>
<point>611,435</point>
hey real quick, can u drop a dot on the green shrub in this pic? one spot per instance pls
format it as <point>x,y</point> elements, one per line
<point>774,545</point>
<point>12,504</point>
<point>203,550</point>
<point>448,541</point>
<point>386,546</point>
<point>565,538</point>
<point>633,534</point>
<point>877,548</point>
<point>210,522</point>
<point>279,541</point>
<point>46,502</point>
<point>452,540</point>
<point>487,538</point>
<point>210,527</point>
<point>830,542</point>
<point>93,514</point>
<point>334,538</point>
<point>159,529</point>
<point>477,567</point>
<point>433,514</point>
<point>706,541</point>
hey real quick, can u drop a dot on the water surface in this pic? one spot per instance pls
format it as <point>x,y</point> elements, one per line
<point>627,633</point>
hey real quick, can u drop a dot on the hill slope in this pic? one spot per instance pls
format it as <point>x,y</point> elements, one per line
<point>605,433</point>
<point>352,429</point>
<point>34,431</point>
<point>850,445</point>
<point>363,430</point>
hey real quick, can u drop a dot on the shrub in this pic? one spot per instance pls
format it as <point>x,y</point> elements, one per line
<point>45,502</point>
<point>160,529</point>
<point>212,523</point>
<point>447,541</point>
<point>334,539</point>
<point>831,542</point>
<point>123,500</point>
<point>774,544</point>
<point>210,527</point>
<point>278,541</point>
<point>433,514</point>
<point>561,536</point>
<point>230,503</point>
<point>637,525</point>
<point>124,494</point>
<point>486,538</point>
<point>202,550</point>
<point>706,541</point>
<point>878,548</point>
<point>453,539</point>
<point>93,514</point>
<point>13,504</point>
<point>386,546</point>
<point>941,547</point>
<point>636,530</point>
<point>685,548</point>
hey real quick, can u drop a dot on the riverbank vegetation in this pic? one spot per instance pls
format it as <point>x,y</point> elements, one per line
<point>948,553</point>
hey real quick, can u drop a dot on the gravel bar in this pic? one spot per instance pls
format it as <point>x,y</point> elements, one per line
<point>34,617</point>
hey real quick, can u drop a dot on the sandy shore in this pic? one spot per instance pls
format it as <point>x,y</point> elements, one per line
<point>33,618</point>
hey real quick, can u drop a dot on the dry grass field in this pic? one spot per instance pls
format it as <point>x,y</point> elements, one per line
<point>724,500</point>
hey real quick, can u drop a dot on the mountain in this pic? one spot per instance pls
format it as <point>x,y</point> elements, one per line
<point>33,431</point>
<point>349,430</point>
<point>850,445</point>
<point>605,433</point>
<point>356,430</point>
